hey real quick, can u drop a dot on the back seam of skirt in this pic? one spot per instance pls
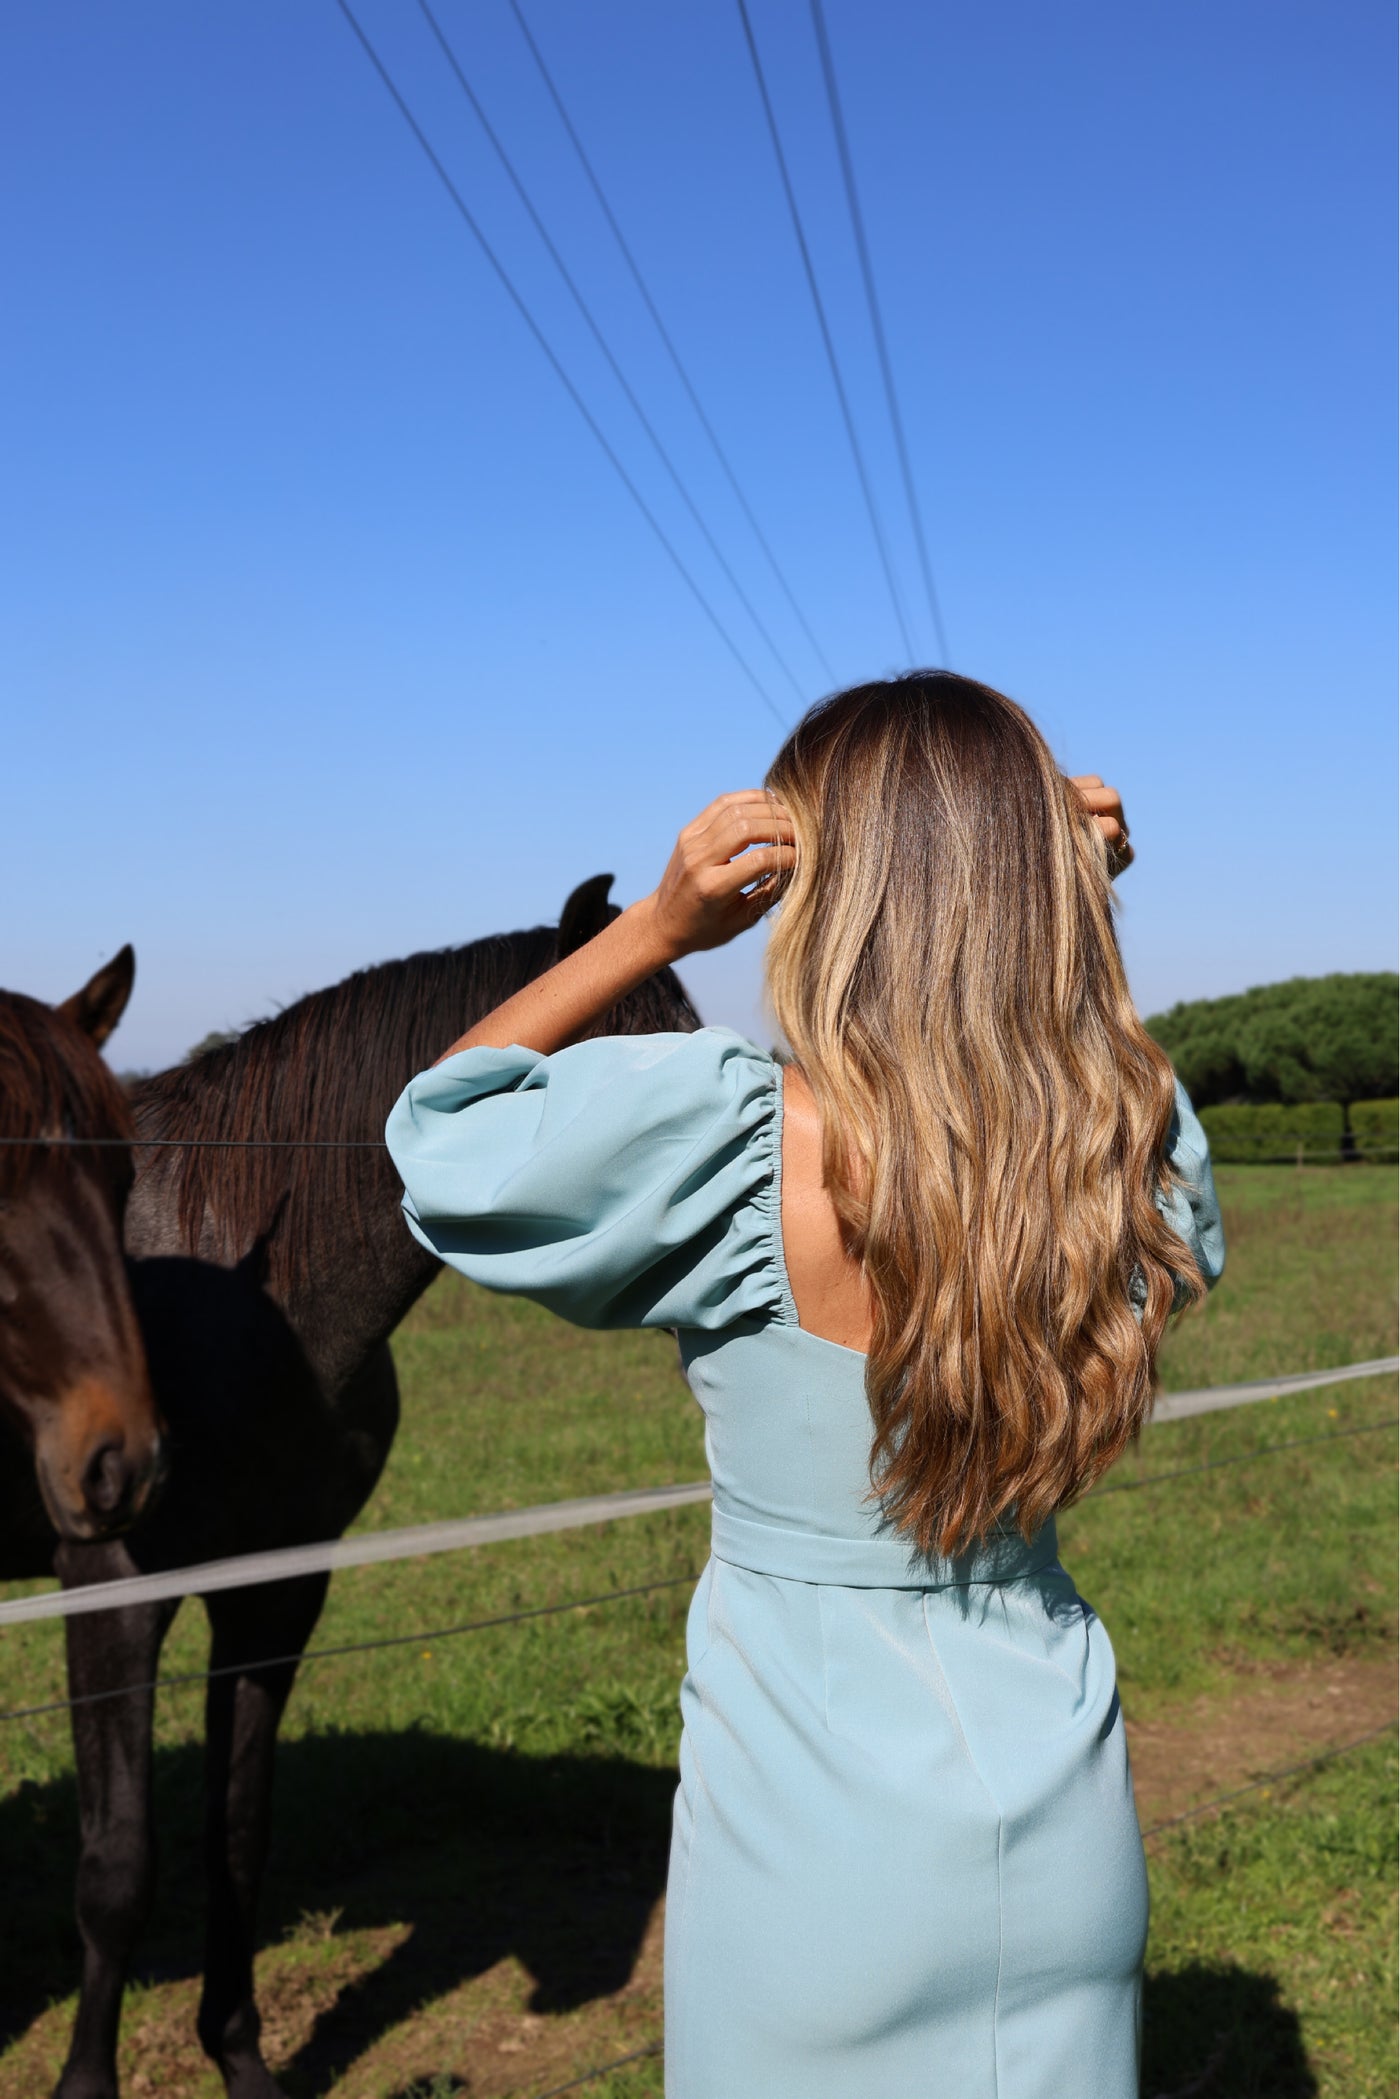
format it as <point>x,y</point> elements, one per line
<point>1001,1950</point>
<point>993,1796</point>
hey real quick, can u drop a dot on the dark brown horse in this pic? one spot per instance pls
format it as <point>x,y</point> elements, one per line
<point>79,1439</point>
<point>268,1283</point>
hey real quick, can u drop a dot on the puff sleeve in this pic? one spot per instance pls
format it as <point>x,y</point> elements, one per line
<point>1192,1208</point>
<point>627,1181</point>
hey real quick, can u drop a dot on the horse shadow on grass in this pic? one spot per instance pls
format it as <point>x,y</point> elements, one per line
<point>474,1854</point>
<point>1221,2032</point>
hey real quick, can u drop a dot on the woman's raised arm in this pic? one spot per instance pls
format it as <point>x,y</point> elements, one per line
<point>719,880</point>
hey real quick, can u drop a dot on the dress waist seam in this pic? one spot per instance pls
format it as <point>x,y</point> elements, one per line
<point>873,1563</point>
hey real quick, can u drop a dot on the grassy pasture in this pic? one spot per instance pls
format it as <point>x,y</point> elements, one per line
<point>471,1833</point>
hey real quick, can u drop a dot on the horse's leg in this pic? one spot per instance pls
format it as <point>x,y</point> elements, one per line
<point>113,1750</point>
<point>252,1629</point>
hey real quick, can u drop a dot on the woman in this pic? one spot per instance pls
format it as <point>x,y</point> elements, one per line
<point>919,1275</point>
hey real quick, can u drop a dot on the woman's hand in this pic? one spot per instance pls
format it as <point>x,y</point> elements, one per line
<point>725,872</point>
<point>701,902</point>
<point>1105,805</point>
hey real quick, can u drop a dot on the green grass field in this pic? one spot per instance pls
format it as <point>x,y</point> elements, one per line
<point>471,1832</point>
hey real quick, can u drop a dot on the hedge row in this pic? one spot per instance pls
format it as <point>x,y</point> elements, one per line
<point>1247,1134</point>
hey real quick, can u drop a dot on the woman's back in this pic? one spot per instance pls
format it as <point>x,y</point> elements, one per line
<point>905,1853</point>
<point>828,1283</point>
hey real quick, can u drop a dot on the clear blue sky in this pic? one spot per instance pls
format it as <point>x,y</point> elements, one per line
<point>330,634</point>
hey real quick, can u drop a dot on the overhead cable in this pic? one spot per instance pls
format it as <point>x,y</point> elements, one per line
<point>598,336</point>
<point>508,285</point>
<point>667,344</point>
<point>848,177</point>
<point>847,418</point>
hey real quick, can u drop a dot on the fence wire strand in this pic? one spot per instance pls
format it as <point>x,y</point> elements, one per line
<point>1263,1450</point>
<point>604,2069</point>
<point>1270,1778</point>
<point>1380,1151</point>
<point>322,1654</point>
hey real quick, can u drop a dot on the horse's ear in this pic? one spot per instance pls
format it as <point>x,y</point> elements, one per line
<point>586,913</point>
<point>102,1001</point>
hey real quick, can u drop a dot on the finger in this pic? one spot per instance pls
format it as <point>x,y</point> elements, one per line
<point>741,797</point>
<point>1105,806</point>
<point>757,827</point>
<point>747,808</point>
<point>1085,780</point>
<point>736,875</point>
<point>756,902</point>
<point>715,810</point>
<point>741,826</point>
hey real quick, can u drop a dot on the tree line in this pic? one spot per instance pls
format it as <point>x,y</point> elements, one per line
<point>1334,1038</point>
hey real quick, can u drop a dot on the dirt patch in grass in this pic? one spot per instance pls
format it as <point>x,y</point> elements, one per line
<point>1278,1715</point>
<point>482,2035</point>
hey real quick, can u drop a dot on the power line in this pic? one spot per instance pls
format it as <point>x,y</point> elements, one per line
<point>616,369</point>
<point>508,285</point>
<point>811,275</point>
<point>848,177</point>
<point>671,351</point>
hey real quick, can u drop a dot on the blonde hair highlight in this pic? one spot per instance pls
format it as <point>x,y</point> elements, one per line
<point>945,967</point>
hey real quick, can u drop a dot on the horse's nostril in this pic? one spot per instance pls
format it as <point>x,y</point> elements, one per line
<point>106,1480</point>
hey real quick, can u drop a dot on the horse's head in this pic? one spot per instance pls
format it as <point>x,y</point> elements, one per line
<point>73,1380</point>
<point>659,1006</point>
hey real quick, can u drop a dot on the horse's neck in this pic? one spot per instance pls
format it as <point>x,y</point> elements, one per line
<point>323,1232</point>
<point>369,1272</point>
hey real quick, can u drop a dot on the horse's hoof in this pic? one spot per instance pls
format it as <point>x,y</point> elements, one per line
<point>250,2078</point>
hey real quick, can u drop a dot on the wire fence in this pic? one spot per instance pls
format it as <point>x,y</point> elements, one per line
<point>388,1547</point>
<point>429,1635</point>
<point>418,1541</point>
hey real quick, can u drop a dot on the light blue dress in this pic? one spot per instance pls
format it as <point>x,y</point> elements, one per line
<point>905,1861</point>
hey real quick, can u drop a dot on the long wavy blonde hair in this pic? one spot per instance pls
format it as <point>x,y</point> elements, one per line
<point>945,967</point>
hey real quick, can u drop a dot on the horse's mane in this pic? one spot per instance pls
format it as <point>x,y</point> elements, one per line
<point>53,1083</point>
<point>329,1068</point>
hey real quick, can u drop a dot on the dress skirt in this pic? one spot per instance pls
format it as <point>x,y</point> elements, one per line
<point>905,1861</point>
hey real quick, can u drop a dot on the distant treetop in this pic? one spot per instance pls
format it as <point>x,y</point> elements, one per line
<point>215,1039</point>
<point>1331,1038</point>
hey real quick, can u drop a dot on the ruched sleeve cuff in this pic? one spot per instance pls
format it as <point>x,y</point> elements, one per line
<point>628,1181</point>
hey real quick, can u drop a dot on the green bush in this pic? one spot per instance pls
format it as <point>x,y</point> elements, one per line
<point>1246,1133</point>
<point>1377,1128</point>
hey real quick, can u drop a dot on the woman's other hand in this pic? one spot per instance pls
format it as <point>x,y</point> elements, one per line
<point>725,872</point>
<point>1105,805</point>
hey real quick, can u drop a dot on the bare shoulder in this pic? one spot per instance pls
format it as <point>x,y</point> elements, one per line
<point>828,1286</point>
<point>800,1119</point>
